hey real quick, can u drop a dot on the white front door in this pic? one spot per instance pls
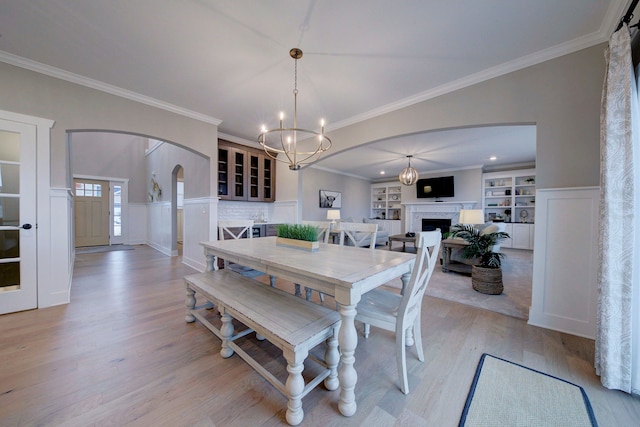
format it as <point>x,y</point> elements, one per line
<point>18,264</point>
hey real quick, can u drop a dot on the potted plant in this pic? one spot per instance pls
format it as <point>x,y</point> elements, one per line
<point>300,236</point>
<point>486,274</point>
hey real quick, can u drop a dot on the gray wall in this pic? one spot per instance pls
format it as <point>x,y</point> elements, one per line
<point>356,194</point>
<point>560,96</point>
<point>75,107</point>
<point>114,155</point>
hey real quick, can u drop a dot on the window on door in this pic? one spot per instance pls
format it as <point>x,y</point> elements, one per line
<point>117,210</point>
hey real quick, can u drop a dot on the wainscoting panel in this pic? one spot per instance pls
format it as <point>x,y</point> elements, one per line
<point>137,224</point>
<point>564,292</point>
<point>57,289</point>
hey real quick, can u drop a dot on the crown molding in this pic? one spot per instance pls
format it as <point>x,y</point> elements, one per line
<point>58,73</point>
<point>508,67</point>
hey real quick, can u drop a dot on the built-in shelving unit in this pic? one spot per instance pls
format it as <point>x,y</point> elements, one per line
<point>386,199</point>
<point>510,197</point>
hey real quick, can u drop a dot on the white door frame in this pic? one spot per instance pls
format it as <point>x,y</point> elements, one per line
<point>43,211</point>
<point>124,182</point>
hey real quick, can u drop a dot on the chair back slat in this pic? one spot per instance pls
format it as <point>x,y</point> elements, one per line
<point>323,229</point>
<point>428,244</point>
<point>235,228</point>
<point>358,234</point>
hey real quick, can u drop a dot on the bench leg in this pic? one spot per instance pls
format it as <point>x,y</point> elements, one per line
<point>190,303</point>
<point>332,358</point>
<point>294,385</point>
<point>226,330</point>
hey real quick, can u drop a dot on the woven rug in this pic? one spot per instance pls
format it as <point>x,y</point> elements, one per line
<point>97,249</point>
<point>504,393</point>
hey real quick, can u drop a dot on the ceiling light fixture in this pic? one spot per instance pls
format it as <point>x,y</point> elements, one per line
<point>409,175</point>
<point>299,146</point>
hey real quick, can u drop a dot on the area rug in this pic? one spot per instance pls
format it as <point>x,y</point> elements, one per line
<point>107,248</point>
<point>504,393</point>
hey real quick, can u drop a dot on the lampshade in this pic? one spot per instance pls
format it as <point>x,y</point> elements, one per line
<point>471,216</point>
<point>333,214</point>
<point>409,175</point>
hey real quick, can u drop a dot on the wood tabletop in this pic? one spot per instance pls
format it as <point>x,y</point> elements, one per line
<point>344,266</point>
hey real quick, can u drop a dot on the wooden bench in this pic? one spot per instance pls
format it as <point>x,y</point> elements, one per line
<point>290,323</point>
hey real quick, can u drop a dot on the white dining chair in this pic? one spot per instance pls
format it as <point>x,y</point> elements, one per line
<point>236,229</point>
<point>324,229</point>
<point>401,312</point>
<point>358,234</point>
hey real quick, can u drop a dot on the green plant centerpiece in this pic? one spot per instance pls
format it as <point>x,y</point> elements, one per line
<point>299,236</point>
<point>486,274</point>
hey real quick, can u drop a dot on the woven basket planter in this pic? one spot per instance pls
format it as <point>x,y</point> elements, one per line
<point>487,280</point>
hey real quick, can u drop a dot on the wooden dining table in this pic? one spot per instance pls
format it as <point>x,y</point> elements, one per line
<point>346,272</point>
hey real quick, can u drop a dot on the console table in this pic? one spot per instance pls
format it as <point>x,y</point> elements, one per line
<point>447,263</point>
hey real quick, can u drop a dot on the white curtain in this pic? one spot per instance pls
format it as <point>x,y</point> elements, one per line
<point>618,337</point>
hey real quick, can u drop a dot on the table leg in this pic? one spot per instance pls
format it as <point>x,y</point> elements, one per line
<point>348,340</point>
<point>212,262</point>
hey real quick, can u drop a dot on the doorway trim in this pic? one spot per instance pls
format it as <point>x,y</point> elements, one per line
<point>43,210</point>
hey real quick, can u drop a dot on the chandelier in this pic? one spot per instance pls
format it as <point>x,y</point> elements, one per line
<point>409,175</point>
<point>299,146</point>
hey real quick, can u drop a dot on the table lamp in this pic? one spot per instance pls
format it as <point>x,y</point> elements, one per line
<point>333,214</point>
<point>471,216</point>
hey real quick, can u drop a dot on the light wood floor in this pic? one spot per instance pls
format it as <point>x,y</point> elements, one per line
<point>122,354</point>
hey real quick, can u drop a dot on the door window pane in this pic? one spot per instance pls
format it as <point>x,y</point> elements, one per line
<point>9,276</point>
<point>10,211</point>
<point>117,210</point>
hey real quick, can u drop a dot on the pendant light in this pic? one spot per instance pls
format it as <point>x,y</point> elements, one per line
<point>409,175</point>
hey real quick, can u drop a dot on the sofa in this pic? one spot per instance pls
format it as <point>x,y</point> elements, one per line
<point>382,236</point>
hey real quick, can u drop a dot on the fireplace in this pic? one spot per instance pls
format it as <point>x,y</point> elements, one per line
<point>430,224</point>
<point>416,211</point>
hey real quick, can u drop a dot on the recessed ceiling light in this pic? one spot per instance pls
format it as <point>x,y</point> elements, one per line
<point>492,158</point>
<point>381,172</point>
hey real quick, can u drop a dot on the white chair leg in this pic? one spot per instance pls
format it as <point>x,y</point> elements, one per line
<point>417,333</point>
<point>401,360</point>
<point>321,297</point>
<point>367,330</point>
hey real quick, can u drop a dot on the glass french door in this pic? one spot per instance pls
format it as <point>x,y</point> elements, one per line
<point>18,286</point>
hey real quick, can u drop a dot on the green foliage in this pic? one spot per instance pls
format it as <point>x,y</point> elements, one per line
<point>480,245</point>
<point>307,233</point>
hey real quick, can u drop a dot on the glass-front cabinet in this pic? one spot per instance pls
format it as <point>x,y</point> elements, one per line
<point>245,173</point>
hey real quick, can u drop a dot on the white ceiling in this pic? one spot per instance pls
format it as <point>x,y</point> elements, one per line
<point>227,61</point>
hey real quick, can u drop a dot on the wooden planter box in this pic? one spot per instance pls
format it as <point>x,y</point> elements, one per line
<point>298,244</point>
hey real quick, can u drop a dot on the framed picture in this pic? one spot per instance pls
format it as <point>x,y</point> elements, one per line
<point>330,199</point>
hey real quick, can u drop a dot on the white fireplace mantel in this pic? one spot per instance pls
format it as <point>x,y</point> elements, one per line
<point>415,211</point>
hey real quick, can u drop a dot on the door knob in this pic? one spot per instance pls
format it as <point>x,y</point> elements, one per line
<point>26,226</point>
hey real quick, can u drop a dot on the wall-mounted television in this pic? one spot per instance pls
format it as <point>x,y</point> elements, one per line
<point>435,187</point>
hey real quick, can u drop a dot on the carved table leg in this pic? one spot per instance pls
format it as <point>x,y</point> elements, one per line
<point>212,262</point>
<point>348,339</point>
<point>190,303</point>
